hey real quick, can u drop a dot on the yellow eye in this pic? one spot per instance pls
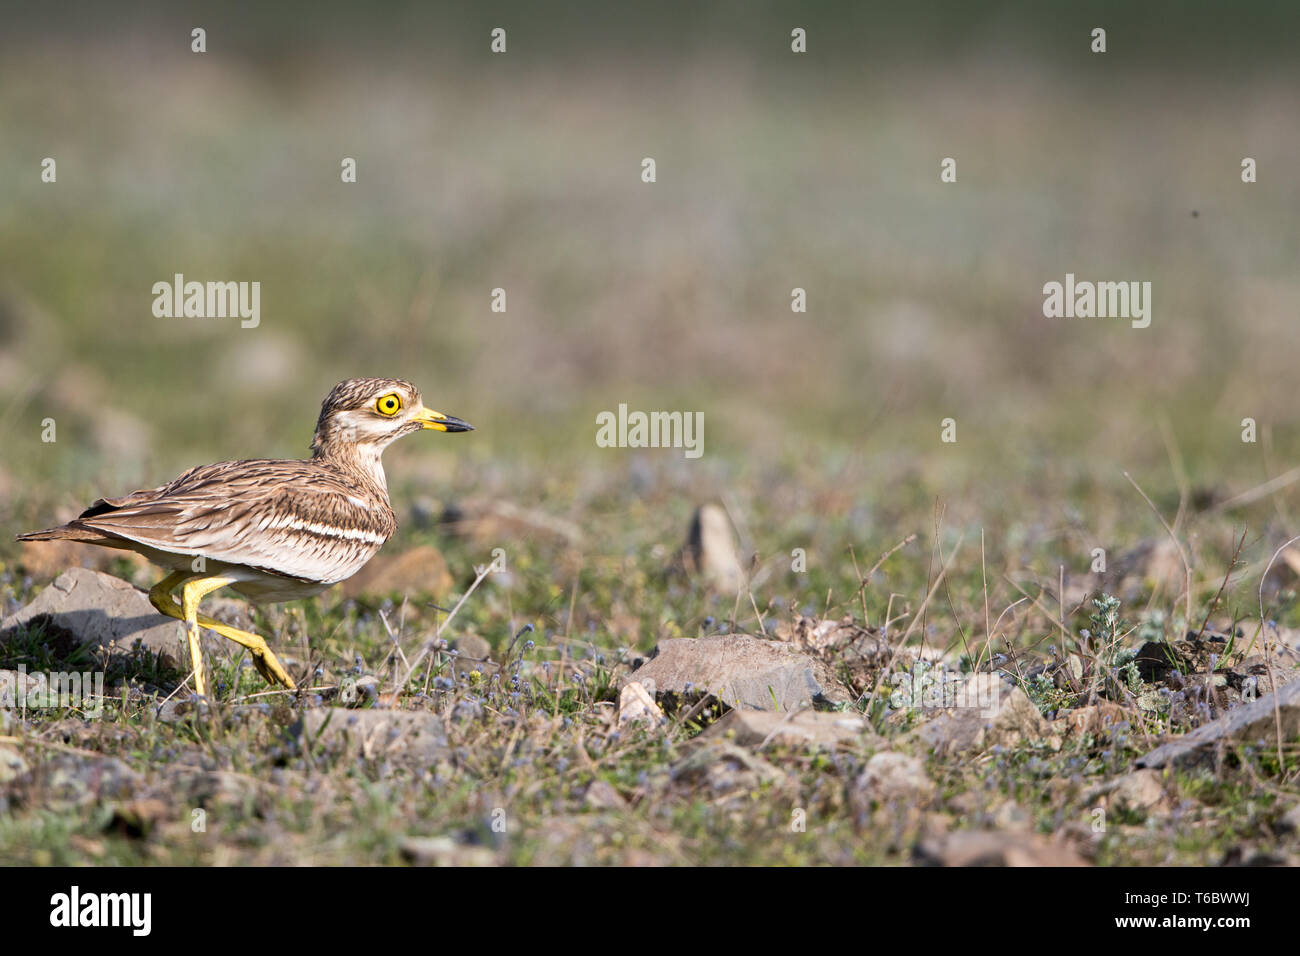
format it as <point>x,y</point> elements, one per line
<point>389,405</point>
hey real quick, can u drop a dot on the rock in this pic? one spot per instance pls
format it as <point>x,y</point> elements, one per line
<point>893,776</point>
<point>806,729</point>
<point>12,764</point>
<point>1140,790</point>
<point>1010,815</point>
<point>1284,572</point>
<point>723,770</point>
<point>1289,822</point>
<point>473,647</point>
<point>603,795</point>
<point>636,705</point>
<point>209,788</point>
<point>400,735</point>
<point>993,713</point>
<point>845,638</point>
<point>710,552</point>
<point>68,782</point>
<point>1194,654</point>
<point>367,686</point>
<point>743,672</point>
<point>1099,718</point>
<point>473,653</point>
<point>1282,643</point>
<point>994,848</point>
<point>1253,676</point>
<point>91,609</point>
<point>1245,723</point>
<point>420,571</point>
<point>137,818</point>
<point>443,851</point>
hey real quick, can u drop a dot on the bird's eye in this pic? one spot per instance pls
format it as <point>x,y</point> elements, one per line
<point>389,405</point>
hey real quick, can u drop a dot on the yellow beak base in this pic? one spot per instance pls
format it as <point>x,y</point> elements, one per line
<point>438,422</point>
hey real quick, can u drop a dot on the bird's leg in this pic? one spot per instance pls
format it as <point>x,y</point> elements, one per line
<point>263,658</point>
<point>160,596</point>
<point>192,592</point>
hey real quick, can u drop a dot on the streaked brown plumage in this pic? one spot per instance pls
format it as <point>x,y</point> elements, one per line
<point>272,530</point>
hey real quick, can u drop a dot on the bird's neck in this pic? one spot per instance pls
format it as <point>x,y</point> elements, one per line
<point>351,458</point>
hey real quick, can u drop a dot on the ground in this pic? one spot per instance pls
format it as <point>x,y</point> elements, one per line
<point>526,760</point>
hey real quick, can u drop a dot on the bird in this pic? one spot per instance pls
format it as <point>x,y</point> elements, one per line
<point>272,530</point>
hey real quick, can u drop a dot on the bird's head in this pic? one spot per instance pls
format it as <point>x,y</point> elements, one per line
<point>369,413</point>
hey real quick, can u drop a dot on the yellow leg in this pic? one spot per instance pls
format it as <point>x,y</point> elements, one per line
<point>192,592</point>
<point>160,597</point>
<point>263,658</point>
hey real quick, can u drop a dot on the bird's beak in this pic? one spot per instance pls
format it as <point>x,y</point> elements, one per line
<point>439,422</point>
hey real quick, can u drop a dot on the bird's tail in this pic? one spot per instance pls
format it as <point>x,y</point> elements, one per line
<point>62,533</point>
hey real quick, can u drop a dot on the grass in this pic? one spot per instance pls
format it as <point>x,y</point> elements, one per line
<point>532,731</point>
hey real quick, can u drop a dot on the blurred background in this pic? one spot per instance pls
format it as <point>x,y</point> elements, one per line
<point>775,170</point>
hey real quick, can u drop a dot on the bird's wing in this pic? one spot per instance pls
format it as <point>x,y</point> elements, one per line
<point>292,518</point>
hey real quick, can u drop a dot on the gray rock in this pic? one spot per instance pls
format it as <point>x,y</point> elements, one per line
<point>844,638</point>
<point>808,729</point>
<point>443,851</point>
<point>1139,790</point>
<point>995,848</point>
<point>994,713</point>
<point>891,776</point>
<point>1270,639</point>
<point>473,646</point>
<point>72,781</point>
<point>1010,815</point>
<point>743,672</point>
<point>1289,822</point>
<point>367,686</point>
<point>207,788</point>
<point>12,764</point>
<point>1246,723</point>
<point>603,795</point>
<point>88,608</point>
<point>723,770</point>
<point>400,735</point>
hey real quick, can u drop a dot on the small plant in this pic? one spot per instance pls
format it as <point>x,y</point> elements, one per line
<point>1046,696</point>
<point>1117,666</point>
